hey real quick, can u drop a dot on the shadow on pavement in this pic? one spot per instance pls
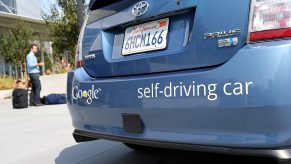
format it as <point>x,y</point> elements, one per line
<point>108,152</point>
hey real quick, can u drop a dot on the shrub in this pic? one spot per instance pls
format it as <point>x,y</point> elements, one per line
<point>6,82</point>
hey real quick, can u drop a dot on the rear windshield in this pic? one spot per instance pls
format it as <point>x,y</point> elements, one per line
<point>97,4</point>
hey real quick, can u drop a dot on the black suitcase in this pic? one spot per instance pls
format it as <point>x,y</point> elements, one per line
<point>20,98</point>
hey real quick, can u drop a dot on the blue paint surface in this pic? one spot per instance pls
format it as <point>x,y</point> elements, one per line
<point>257,116</point>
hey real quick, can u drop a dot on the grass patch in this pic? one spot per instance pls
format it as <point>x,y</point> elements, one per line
<point>6,82</point>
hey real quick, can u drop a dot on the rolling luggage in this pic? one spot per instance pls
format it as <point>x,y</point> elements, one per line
<point>20,98</point>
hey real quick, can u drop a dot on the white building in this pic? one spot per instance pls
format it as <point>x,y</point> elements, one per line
<point>28,11</point>
<point>29,8</point>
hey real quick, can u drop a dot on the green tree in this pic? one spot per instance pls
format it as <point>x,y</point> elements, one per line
<point>15,44</point>
<point>63,26</point>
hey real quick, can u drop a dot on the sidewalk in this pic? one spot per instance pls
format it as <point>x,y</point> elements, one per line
<point>55,83</point>
<point>5,93</point>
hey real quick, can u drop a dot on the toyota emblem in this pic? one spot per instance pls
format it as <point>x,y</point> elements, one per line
<point>140,8</point>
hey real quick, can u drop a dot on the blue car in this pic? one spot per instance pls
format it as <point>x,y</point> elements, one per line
<point>202,75</point>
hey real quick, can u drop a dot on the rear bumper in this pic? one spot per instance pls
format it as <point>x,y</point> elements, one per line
<point>278,154</point>
<point>246,103</point>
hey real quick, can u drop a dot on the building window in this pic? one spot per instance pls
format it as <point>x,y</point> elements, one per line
<point>8,6</point>
<point>2,67</point>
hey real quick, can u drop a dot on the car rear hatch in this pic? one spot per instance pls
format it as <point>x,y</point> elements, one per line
<point>134,37</point>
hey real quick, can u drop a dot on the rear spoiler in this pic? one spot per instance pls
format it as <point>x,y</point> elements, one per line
<point>97,4</point>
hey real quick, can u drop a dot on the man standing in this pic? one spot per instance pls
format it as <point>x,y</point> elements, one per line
<point>33,72</point>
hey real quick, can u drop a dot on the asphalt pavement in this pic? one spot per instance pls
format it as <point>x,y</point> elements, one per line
<point>44,135</point>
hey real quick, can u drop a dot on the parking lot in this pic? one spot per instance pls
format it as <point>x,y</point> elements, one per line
<point>43,135</point>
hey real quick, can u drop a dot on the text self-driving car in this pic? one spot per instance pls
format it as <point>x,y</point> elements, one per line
<point>202,75</point>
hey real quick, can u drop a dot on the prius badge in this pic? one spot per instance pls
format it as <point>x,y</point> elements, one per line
<point>140,8</point>
<point>226,38</point>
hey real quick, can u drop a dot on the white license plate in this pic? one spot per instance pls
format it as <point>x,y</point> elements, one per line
<point>146,37</point>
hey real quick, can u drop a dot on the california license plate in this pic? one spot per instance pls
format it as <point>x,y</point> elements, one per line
<point>146,37</point>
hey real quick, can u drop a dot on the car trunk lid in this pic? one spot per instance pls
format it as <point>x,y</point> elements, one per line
<point>201,34</point>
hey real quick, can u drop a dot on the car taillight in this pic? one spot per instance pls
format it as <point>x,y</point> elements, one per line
<point>79,57</point>
<point>269,19</point>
